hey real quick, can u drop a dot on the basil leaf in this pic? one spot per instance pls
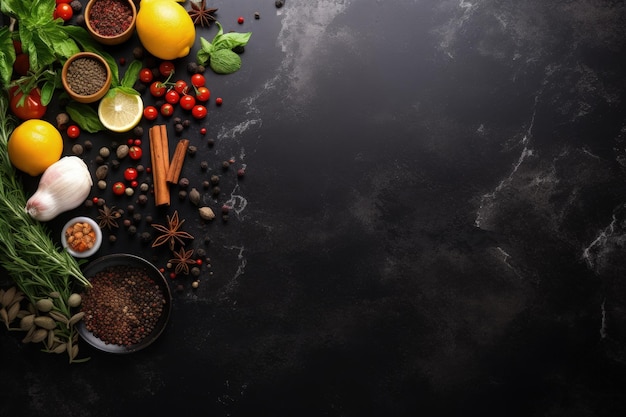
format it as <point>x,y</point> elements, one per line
<point>47,91</point>
<point>132,74</point>
<point>7,55</point>
<point>225,61</point>
<point>85,116</point>
<point>127,90</point>
<point>232,40</point>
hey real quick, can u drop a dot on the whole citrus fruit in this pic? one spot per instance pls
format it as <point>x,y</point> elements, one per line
<point>165,28</point>
<point>34,145</point>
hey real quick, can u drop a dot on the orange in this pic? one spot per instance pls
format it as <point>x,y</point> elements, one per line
<point>34,145</point>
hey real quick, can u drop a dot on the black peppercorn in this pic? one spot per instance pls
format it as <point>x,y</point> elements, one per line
<point>204,165</point>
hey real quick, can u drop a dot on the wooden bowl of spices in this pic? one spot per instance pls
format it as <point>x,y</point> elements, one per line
<point>110,22</point>
<point>127,306</point>
<point>81,236</point>
<point>86,77</point>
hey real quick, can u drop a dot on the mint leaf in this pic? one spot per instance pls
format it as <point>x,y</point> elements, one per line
<point>225,61</point>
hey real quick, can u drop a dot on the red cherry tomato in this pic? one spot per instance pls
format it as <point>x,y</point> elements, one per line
<point>63,1</point>
<point>187,102</point>
<point>145,75</point>
<point>219,101</point>
<point>203,94</point>
<point>64,11</point>
<point>198,80</point>
<point>150,112</point>
<point>172,96</point>
<point>130,174</point>
<point>166,68</point>
<point>21,65</point>
<point>73,131</point>
<point>137,142</point>
<point>157,89</point>
<point>135,152</point>
<point>30,107</point>
<point>181,87</point>
<point>240,20</point>
<point>199,111</point>
<point>167,109</point>
<point>118,188</point>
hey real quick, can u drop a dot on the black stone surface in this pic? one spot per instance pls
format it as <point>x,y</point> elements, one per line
<point>432,222</point>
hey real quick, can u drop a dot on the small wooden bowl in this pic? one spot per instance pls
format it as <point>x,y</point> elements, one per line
<point>91,97</point>
<point>108,39</point>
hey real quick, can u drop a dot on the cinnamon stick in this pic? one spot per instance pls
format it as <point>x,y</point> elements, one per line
<point>176,164</point>
<point>159,153</point>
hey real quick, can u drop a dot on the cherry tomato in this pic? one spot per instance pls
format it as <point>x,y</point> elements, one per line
<point>172,96</point>
<point>181,87</point>
<point>63,1</point>
<point>64,11</point>
<point>73,131</point>
<point>198,80</point>
<point>137,142</point>
<point>21,64</point>
<point>157,89</point>
<point>240,20</point>
<point>219,101</point>
<point>199,111</point>
<point>118,188</point>
<point>167,109</point>
<point>150,112</point>
<point>203,94</point>
<point>130,174</point>
<point>145,75</point>
<point>166,68</point>
<point>135,152</point>
<point>31,108</point>
<point>187,102</point>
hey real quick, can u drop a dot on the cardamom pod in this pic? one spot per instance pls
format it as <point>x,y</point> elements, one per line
<point>4,316</point>
<point>74,300</point>
<point>29,335</point>
<point>76,318</point>
<point>45,322</point>
<point>74,352</point>
<point>55,294</point>
<point>19,296</point>
<point>39,335</point>
<point>22,313</point>
<point>27,322</point>
<point>58,316</point>
<point>60,348</point>
<point>13,310</point>
<point>44,305</point>
<point>194,196</point>
<point>50,339</point>
<point>206,213</point>
<point>7,297</point>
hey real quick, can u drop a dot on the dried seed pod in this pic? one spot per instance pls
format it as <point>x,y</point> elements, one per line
<point>102,172</point>
<point>55,294</point>
<point>60,348</point>
<point>27,322</point>
<point>13,310</point>
<point>44,305</point>
<point>19,296</point>
<point>194,196</point>
<point>50,339</point>
<point>206,213</point>
<point>73,352</point>
<point>74,300</point>
<point>4,316</point>
<point>45,322</point>
<point>39,335</point>
<point>22,313</point>
<point>76,318</point>
<point>58,317</point>
<point>29,335</point>
<point>8,295</point>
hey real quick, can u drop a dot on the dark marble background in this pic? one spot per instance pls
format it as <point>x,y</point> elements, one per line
<point>432,223</point>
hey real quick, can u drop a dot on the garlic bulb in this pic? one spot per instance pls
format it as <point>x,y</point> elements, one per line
<point>63,186</point>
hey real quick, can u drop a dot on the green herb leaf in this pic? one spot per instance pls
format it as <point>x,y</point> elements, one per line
<point>7,55</point>
<point>127,90</point>
<point>225,61</point>
<point>132,74</point>
<point>204,53</point>
<point>85,116</point>
<point>84,39</point>
<point>47,91</point>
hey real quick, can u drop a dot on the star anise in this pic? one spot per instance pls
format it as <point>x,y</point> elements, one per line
<point>171,232</point>
<point>200,14</point>
<point>108,217</point>
<point>182,259</point>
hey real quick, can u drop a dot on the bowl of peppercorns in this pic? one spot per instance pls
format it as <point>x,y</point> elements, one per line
<point>86,77</point>
<point>110,22</point>
<point>127,306</point>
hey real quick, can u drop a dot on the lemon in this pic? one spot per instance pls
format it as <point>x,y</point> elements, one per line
<point>165,28</point>
<point>120,111</point>
<point>34,145</point>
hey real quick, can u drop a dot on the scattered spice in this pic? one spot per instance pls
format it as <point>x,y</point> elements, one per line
<point>123,305</point>
<point>201,14</point>
<point>171,232</point>
<point>182,259</point>
<point>108,217</point>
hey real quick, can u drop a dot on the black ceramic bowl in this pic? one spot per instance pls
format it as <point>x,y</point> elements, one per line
<point>113,261</point>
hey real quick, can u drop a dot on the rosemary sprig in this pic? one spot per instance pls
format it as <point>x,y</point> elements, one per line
<point>39,268</point>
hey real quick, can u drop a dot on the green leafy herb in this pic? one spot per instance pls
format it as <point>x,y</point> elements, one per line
<point>131,75</point>
<point>219,53</point>
<point>7,55</point>
<point>85,116</point>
